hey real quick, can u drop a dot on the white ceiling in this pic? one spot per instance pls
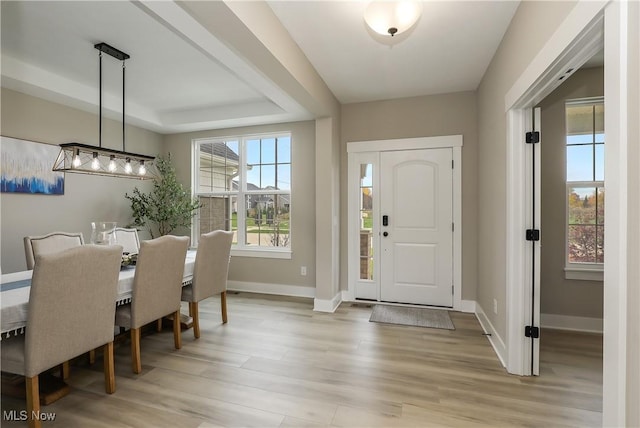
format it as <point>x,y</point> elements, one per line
<point>180,77</point>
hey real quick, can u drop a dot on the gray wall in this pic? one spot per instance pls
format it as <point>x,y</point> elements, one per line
<point>559,295</point>
<point>520,44</point>
<point>86,198</point>
<point>447,114</point>
<point>303,207</point>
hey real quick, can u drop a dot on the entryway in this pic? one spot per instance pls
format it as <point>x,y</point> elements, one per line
<point>404,220</point>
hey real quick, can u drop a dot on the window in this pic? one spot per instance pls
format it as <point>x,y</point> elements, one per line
<point>366,221</point>
<point>244,185</point>
<point>585,187</point>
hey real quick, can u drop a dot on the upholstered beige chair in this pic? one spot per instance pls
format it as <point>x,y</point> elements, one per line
<point>156,290</point>
<point>128,239</point>
<point>72,302</point>
<point>209,274</point>
<point>49,243</point>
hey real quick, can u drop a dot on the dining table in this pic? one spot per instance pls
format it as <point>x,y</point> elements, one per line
<point>15,288</point>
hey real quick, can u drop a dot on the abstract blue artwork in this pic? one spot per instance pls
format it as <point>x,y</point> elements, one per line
<point>25,167</point>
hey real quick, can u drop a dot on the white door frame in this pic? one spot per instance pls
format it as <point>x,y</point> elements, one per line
<point>449,141</point>
<point>580,36</point>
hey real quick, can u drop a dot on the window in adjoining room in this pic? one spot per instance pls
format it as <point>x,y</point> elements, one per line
<point>585,184</point>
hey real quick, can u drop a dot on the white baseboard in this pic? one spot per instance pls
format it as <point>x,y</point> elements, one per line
<point>494,338</point>
<point>468,306</point>
<point>327,305</point>
<point>347,296</point>
<point>567,322</point>
<point>267,288</point>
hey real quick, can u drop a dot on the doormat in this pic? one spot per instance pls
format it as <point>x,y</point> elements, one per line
<point>419,317</point>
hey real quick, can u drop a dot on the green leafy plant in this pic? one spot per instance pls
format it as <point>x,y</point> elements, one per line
<point>167,207</point>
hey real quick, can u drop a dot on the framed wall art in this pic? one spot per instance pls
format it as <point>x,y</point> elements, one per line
<point>25,167</point>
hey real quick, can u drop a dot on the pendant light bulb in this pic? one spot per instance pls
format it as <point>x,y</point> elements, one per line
<point>95,163</point>
<point>142,170</point>
<point>127,166</point>
<point>112,163</point>
<point>76,159</point>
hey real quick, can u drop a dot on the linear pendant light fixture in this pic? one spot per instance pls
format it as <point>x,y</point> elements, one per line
<point>87,159</point>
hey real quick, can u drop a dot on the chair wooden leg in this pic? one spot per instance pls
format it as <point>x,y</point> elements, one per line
<point>109,369</point>
<point>177,335</point>
<point>193,311</point>
<point>159,325</point>
<point>64,370</point>
<point>135,350</point>
<point>33,402</point>
<point>223,305</point>
<point>92,357</point>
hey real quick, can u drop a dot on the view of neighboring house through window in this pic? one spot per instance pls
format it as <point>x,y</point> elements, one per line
<point>585,183</point>
<point>366,221</point>
<point>244,185</point>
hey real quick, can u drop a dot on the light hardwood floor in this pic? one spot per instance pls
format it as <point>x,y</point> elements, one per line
<point>279,364</point>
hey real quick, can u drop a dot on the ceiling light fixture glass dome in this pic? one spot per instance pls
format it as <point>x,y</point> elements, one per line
<point>392,17</point>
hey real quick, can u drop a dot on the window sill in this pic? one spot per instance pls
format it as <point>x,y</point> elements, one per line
<point>582,274</point>
<point>263,253</point>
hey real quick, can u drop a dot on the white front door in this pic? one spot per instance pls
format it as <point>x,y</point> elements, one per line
<point>416,226</point>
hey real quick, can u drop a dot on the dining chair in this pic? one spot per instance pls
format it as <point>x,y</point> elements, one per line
<point>49,243</point>
<point>72,303</point>
<point>129,240</point>
<point>209,275</point>
<point>156,290</point>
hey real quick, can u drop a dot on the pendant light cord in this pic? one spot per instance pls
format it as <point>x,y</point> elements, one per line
<point>100,98</point>
<point>123,80</point>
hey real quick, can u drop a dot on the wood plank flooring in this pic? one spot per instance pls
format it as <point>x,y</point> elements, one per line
<point>279,364</point>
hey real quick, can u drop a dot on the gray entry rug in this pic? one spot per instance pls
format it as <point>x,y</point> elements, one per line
<point>420,317</point>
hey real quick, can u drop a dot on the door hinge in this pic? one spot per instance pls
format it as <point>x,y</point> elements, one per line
<point>533,332</point>
<point>453,227</point>
<point>533,235</point>
<point>452,161</point>
<point>452,293</point>
<point>532,137</point>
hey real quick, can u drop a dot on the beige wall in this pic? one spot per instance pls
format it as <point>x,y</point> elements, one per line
<point>559,295</point>
<point>86,198</point>
<point>303,207</point>
<point>519,46</point>
<point>447,114</point>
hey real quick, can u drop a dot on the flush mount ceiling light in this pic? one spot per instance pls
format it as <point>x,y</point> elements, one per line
<point>87,159</point>
<point>392,17</point>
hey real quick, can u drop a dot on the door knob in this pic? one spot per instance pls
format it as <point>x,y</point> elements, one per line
<point>385,233</point>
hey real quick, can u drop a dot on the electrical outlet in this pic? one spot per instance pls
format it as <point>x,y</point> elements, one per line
<point>303,270</point>
<point>495,306</point>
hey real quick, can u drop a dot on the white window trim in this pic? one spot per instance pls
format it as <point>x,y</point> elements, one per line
<point>241,250</point>
<point>587,272</point>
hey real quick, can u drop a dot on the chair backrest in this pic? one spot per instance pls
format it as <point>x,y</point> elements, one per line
<point>157,284</point>
<point>49,243</point>
<point>128,239</point>
<point>212,264</point>
<point>72,304</point>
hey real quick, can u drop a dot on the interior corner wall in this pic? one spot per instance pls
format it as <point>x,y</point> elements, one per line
<point>633,240</point>
<point>86,198</point>
<point>327,228</point>
<point>426,116</point>
<point>257,270</point>
<point>560,296</point>
<point>519,46</point>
